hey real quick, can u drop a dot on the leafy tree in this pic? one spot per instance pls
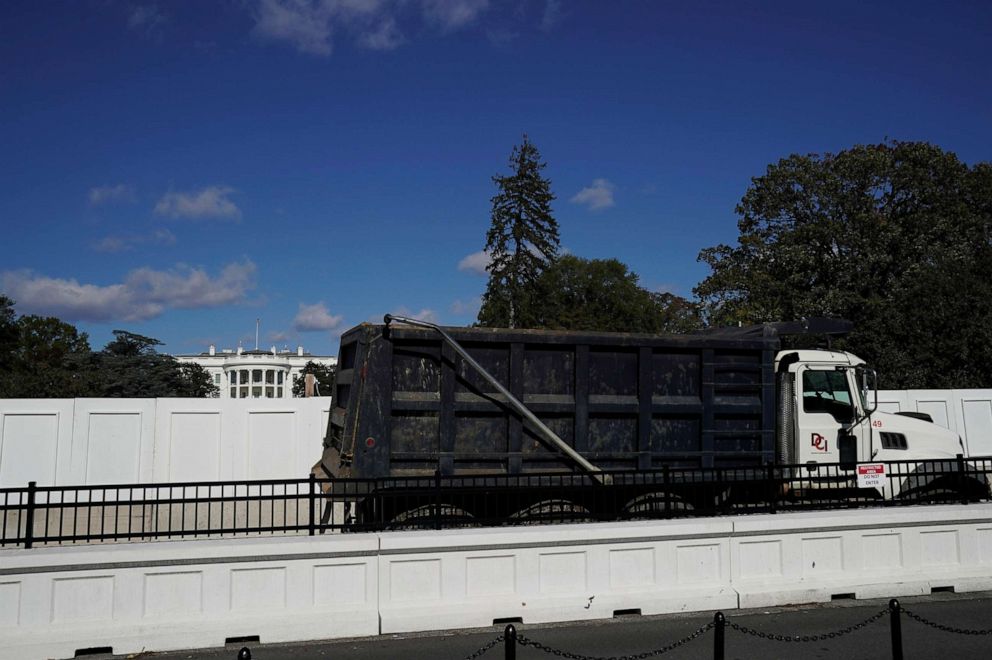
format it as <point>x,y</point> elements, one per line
<point>8,345</point>
<point>522,241</point>
<point>195,381</point>
<point>52,358</point>
<point>677,314</point>
<point>896,237</point>
<point>130,366</point>
<point>322,373</point>
<point>604,295</point>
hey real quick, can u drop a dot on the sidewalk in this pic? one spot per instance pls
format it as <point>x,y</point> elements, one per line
<point>631,636</point>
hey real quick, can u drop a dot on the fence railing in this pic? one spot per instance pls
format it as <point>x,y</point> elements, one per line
<point>47,515</point>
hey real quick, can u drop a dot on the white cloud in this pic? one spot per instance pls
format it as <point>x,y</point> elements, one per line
<point>312,25</point>
<point>552,14</point>
<point>596,197</point>
<point>425,314</point>
<point>386,36</point>
<point>145,293</point>
<point>477,262</point>
<point>453,14</point>
<point>122,243</point>
<point>210,202</point>
<point>315,318</point>
<point>305,24</point>
<point>147,17</point>
<point>466,308</point>
<point>106,194</point>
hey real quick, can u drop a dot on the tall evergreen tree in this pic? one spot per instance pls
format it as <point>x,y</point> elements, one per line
<point>522,241</point>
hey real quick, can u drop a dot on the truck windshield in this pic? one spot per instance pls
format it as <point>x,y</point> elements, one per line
<point>827,392</point>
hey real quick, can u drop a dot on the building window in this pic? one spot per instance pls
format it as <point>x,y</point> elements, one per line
<point>256,375</point>
<point>216,379</point>
<point>279,392</point>
<point>244,391</point>
<point>243,379</point>
<point>270,377</point>
<point>269,392</point>
<point>279,379</point>
<point>234,393</point>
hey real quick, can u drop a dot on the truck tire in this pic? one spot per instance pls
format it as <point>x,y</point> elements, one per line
<point>427,516</point>
<point>551,511</point>
<point>655,505</point>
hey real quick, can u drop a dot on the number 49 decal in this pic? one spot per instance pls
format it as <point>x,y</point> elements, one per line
<point>876,423</point>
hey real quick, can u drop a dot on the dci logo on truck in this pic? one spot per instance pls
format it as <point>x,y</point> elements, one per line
<point>818,442</point>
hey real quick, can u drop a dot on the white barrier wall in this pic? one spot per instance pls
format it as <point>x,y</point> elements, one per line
<point>187,594</point>
<point>95,441</point>
<point>967,412</point>
<point>106,441</point>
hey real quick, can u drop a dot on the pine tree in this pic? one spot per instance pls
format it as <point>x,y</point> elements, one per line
<point>522,241</point>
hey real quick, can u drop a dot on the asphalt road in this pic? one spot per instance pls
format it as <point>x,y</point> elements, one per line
<point>636,635</point>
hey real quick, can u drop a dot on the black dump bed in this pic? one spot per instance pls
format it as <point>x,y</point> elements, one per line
<point>406,404</point>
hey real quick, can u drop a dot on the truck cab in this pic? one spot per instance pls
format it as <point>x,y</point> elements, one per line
<point>828,414</point>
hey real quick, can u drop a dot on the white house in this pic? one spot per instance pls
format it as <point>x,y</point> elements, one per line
<point>257,374</point>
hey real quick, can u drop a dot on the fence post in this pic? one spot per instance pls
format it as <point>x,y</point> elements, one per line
<point>772,487</point>
<point>510,642</point>
<point>667,490</point>
<point>963,476</point>
<point>312,527</point>
<point>718,643</point>
<point>29,515</point>
<point>437,499</point>
<point>895,627</point>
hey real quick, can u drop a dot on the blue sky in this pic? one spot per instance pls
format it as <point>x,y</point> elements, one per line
<point>180,169</point>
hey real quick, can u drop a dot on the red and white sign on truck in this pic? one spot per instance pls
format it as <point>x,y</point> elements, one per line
<point>871,475</point>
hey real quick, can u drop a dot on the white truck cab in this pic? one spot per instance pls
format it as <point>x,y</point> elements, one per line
<point>828,414</point>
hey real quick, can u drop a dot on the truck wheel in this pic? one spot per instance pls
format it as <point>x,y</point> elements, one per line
<point>428,515</point>
<point>656,505</point>
<point>551,511</point>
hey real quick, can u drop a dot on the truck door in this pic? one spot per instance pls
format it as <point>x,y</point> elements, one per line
<point>825,410</point>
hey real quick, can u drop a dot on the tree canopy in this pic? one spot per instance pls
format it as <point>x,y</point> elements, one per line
<point>896,237</point>
<point>522,241</point>
<point>322,373</point>
<point>44,357</point>
<point>605,295</point>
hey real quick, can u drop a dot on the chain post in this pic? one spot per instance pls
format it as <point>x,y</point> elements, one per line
<point>510,642</point>
<point>719,625</point>
<point>895,627</point>
<point>29,515</point>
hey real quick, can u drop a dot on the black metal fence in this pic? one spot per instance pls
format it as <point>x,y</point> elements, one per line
<point>46,515</point>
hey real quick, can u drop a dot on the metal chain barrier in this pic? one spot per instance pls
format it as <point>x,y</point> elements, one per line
<point>808,638</point>
<point>525,641</point>
<point>894,609</point>
<point>939,626</point>
<point>483,650</point>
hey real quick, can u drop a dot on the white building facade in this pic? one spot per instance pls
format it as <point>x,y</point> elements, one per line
<point>256,374</point>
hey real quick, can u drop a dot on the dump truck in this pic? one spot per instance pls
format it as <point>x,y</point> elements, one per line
<point>413,400</point>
